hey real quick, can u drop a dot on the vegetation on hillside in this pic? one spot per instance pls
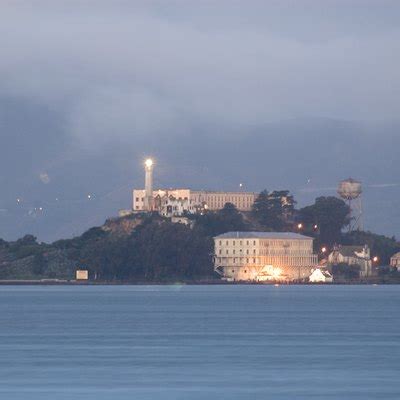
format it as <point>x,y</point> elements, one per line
<point>149,248</point>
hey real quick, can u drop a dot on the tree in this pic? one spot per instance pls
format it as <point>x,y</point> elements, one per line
<point>225,220</point>
<point>330,214</point>
<point>39,264</point>
<point>273,210</point>
<point>345,271</point>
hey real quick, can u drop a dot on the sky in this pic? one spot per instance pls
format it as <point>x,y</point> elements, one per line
<point>275,94</point>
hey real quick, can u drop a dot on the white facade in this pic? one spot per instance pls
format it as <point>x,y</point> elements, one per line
<point>255,256</point>
<point>320,276</point>
<point>243,201</point>
<point>395,260</point>
<point>194,201</point>
<point>352,255</point>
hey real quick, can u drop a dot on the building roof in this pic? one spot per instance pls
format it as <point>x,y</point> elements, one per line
<point>263,235</point>
<point>396,255</point>
<point>350,251</point>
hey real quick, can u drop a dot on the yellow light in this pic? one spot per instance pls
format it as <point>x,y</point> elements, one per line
<point>276,272</point>
<point>148,163</point>
<point>375,259</point>
<point>323,249</point>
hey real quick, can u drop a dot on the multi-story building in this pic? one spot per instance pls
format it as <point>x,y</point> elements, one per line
<point>192,201</point>
<point>263,256</point>
<point>243,201</point>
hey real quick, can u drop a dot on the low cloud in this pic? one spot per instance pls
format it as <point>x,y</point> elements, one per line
<point>122,69</point>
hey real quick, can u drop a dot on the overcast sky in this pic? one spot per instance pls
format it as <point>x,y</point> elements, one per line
<point>85,83</point>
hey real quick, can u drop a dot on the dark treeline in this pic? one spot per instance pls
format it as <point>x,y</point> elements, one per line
<point>157,250</point>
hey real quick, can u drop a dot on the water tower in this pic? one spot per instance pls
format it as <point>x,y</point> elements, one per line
<point>350,190</point>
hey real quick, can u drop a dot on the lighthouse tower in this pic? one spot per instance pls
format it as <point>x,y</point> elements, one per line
<point>148,185</point>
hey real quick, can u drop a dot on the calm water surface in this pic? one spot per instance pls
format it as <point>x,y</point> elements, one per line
<point>200,342</point>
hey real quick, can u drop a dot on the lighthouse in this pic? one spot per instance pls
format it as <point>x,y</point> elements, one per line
<point>148,185</point>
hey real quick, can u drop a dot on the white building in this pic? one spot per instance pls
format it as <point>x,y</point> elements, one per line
<point>320,275</point>
<point>192,201</point>
<point>395,260</point>
<point>353,256</point>
<point>263,256</point>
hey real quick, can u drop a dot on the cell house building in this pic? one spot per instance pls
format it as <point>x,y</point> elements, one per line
<point>264,256</point>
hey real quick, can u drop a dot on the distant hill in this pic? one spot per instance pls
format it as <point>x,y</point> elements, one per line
<point>52,173</point>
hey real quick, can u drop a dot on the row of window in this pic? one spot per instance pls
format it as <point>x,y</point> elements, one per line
<point>234,260</point>
<point>234,251</point>
<point>240,242</point>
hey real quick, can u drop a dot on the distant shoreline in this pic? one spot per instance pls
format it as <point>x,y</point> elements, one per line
<point>60,282</point>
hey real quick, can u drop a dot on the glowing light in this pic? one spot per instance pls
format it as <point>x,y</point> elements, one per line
<point>240,184</point>
<point>148,163</point>
<point>323,250</point>
<point>315,226</point>
<point>276,272</point>
<point>18,200</point>
<point>375,259</point>
<point>89,196</point>
<point>300,226</point>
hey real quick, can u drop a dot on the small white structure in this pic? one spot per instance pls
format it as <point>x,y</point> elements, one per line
<point>182,220</point>
<point>395,261</point>
<point>124,213</point>
<point>82,275</point>
<point>320,275</point>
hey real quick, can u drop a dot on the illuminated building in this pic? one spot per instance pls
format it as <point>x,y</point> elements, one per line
<point>192,201</point>
<point>264,256</point>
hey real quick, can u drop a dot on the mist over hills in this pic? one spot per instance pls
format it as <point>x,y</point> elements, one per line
<point>52,173</point>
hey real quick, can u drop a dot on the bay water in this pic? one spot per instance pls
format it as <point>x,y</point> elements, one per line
<point>200,342</point>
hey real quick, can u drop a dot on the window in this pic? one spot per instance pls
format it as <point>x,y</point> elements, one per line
<point>233,242</point>
<point>254,242</point>
<point>247,251</point>
<point>227,252</point>
<point>247,243</point>
<point>137,198</point>
<point>220,252</point>
<point>254,260</point>
<point>220,242</point>
<point>233,251</point>
<point>254,251</point>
